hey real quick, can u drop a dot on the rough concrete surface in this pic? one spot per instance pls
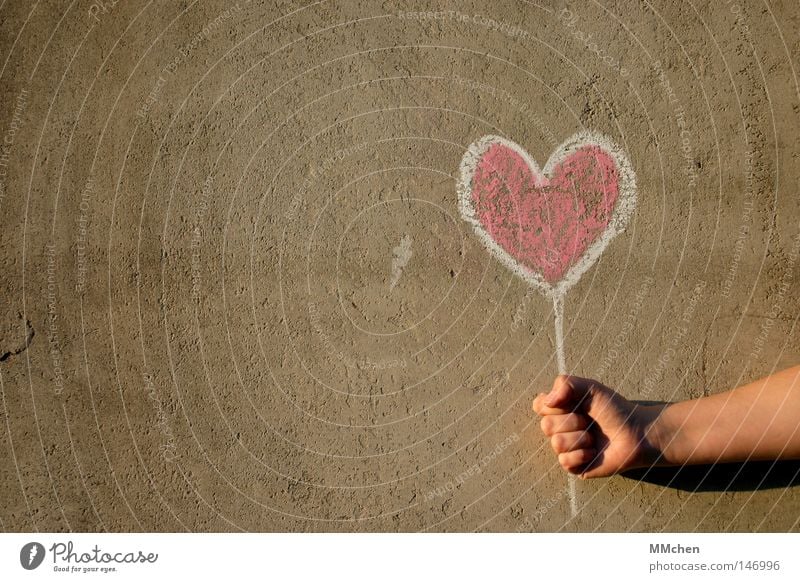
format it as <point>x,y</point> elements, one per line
<point>237,293</point>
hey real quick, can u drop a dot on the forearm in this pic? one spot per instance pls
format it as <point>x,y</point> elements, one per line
<point>757,421</point>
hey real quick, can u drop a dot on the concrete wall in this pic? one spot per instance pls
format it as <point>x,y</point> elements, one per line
<point>238,294</point>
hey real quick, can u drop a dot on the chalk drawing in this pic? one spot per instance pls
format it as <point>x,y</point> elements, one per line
<point>401,254</point>
<point>548,226</point>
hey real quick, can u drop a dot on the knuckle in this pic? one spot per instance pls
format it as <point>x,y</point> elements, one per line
<point>558,443</point>
<point>547,426</point>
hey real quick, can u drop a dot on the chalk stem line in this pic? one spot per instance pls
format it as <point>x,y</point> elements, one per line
<point>558,311</point>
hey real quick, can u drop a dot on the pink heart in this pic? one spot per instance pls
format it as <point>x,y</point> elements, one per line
<point>548,226</point>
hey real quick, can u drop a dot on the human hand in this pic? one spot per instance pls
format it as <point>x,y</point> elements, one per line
<point>594,431</point>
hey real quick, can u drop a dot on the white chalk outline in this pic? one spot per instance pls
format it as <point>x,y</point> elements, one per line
<point>623,209</point>
<point>626,203</point>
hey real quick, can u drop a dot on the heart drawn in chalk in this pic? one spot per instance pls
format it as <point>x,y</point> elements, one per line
<point>548,226</point>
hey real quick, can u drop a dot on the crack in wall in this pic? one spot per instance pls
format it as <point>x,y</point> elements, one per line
<point>8,352</point>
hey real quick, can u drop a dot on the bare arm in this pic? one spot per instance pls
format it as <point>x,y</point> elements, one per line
<point>596,432</point>
<point>757,421</point>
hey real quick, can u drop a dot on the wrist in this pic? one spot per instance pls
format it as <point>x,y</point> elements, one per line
<point>660,438</point>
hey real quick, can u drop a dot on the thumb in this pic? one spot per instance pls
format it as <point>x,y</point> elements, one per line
<point>595,473</point>
<point>595,469</point>
<point>568,392</point>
